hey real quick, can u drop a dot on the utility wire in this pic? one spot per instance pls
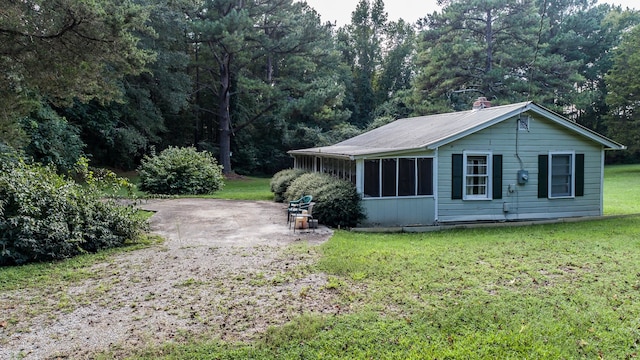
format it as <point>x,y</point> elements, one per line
<point>535,55</point>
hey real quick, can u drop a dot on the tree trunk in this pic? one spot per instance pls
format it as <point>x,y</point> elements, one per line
<point>224,140</point>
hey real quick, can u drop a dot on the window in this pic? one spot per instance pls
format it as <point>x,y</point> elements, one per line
<point>560,175</point>
<point>389,177</point>
<point>425,176</point>
<point>398,177</point>
<point>406,177</point>
<point>476,175</point>
<point>372,178</point>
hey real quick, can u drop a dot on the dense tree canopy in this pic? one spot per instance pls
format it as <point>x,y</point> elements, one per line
<point>623,97</point>
<point>61,50</point>
<point>250,79</point>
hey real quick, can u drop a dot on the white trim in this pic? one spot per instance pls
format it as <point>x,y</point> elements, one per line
<point>436,171</point>
<point>361,182</point>
<point>586,132</point>
<point>550,175</point>
<point>360,176</point>
<point>601,182</point>
<point>489,185</point>
<point>518,110</point>
<point>398,197</point>
<point>523,217</point>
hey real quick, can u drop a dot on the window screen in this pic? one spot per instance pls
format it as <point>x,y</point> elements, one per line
<point>372,178</point>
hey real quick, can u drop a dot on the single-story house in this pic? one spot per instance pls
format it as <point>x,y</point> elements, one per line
<point>502,163</point>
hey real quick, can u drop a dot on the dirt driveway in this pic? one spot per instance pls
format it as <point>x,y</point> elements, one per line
<point>228,270</point>
<point>202,222</point>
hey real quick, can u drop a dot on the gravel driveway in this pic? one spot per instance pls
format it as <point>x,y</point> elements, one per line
<point>226,271</point>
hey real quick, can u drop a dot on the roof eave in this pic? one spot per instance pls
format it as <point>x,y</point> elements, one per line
<point>318,152</point>
<point>477,128</point>
<point>584,131</point>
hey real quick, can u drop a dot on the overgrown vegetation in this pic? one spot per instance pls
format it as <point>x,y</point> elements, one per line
<point>45,216</point>
<point>180,171</point>
<point>337,202</point>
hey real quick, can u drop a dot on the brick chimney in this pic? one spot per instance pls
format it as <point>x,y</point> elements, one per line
<point>481,103</point>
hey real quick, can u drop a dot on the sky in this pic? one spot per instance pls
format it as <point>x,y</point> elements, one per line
<point>409,10</point>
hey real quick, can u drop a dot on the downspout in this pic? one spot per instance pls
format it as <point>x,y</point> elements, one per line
<point>602,181</point>
<point>435,185</point>
<point>517,155</point>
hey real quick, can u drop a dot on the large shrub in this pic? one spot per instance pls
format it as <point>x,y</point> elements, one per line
<point>44,216</point>
<point>281,180</point>
<point>178,171</point>
<point>337,202</point>
<point>307,184</point>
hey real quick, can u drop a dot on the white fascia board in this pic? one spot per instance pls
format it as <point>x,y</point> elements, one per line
<point>586,132</point>
<point>475,129</point>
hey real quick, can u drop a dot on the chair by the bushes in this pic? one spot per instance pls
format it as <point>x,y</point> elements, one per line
<point>296,206</point>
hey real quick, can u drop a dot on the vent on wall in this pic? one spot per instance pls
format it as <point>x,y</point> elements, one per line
<point>523,123</point>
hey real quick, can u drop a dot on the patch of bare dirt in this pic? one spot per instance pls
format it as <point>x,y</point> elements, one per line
<point>228,270</point>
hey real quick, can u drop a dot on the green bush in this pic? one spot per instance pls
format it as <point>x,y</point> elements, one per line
<point>177,171</point>
<point>281,180</point>
<point>337,202</point>
<point>44,216</point>
<point>339,205</point>
<point>306,184</point>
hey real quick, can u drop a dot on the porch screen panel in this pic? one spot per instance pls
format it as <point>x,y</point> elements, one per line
<point>407,177</point>
<point>389,177</point>
<point>372,178</point>
<point>425,176</point>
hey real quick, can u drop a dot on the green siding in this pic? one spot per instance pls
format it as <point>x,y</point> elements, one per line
<point>521,201</point>
<point>399,211</point>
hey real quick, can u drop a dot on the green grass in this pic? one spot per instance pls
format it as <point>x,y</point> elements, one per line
<point>621,195</point>
<point>66,272</point>
<point>560,291</point>
<point>247,188</point>
<point>244,188</point>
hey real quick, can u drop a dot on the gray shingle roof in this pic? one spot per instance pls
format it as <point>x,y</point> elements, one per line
<point>425,132</point>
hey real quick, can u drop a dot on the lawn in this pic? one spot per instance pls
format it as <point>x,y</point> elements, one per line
<point>621,194</point>
<point>245,188</point>
<point>560,291</point>
<point>237,188</point>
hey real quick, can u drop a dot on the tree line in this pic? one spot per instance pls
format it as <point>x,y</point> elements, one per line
<point>250,79</point>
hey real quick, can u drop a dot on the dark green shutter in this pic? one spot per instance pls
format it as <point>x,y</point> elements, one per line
<point>579,174</point>
<point>543,176</point>
<point>497,176</point>
<point>456,176</point>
